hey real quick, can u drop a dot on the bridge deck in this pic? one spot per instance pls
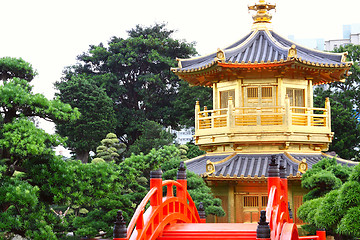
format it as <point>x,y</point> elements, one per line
<point>204,231</point>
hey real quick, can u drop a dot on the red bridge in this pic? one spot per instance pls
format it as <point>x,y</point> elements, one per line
<point>174,216</point>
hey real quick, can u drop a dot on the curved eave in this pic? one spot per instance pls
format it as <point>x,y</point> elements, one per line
<point>326,72</point>
<point>263,64</point>
<point>263,49</point>
<point>195,70</point>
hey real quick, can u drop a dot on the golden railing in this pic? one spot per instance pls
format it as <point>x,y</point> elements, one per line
<point>262,116</point>
<point>303,116</point>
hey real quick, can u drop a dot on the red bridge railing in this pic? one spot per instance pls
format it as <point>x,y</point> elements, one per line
<point>163,210</point>
<point>170,208</point>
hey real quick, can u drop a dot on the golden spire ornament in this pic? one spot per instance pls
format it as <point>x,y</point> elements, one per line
<point>262,9</point>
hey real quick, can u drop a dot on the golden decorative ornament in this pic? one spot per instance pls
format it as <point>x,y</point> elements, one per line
<point>303,167</point>
<point>210,167</point>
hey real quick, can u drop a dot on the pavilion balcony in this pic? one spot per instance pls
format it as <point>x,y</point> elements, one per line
<point>242,122</point>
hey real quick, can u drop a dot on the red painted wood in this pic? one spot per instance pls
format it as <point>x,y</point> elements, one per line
<point>203,231</point>
<point>321,234</point>
<point>176,217</point>
<point>309,238</point>
<point>289,232</point>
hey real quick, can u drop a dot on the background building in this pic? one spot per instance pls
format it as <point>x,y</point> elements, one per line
<point>183,136</point>
<point>351,35</point>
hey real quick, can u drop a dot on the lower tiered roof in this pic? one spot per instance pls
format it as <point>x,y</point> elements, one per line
<point>234,166</point>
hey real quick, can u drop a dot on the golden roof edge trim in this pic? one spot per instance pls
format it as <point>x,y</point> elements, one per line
<point>225,159</point>
<point>340,159</point>
<point>291,158</point>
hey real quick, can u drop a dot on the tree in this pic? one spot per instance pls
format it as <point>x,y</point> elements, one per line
<point>344,122</point>
<point>345,106</point>
<point>152,135</point>
<point>97,114</point>
<point>16,67</point>
<point>26,152</point>
<point>186,100</point>
<point>110,149</point>
<point>193,150</point>
<point>98,191</point>
<point>323,177</point>
<point>135,73</point>
<point>334,199</point>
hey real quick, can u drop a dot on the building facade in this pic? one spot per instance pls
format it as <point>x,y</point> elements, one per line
<point>351,35</point>
<point>184,135</point>
<point>262,106</point>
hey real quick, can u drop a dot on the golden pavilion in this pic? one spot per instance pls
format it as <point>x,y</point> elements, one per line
<point>262,106</point>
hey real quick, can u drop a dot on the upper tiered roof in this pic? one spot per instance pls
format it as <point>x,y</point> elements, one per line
<point>264,48</point>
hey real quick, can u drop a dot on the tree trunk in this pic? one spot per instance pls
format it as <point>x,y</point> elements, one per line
<point>82,155</point>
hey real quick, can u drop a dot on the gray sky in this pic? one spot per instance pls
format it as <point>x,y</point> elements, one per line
<point>51,33</point>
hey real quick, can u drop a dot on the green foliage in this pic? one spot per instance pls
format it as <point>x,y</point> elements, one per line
<point>186,99</point>
<point>333,200</point>
<point>110,149</point>
<point>193,151</point>
<point>28,166</point>
<point>349,195</point>
<point>135,73</point>
<point>307,211</point>
<point>345,106</point>
<point>320,183</point>
<point>97,114</point>
<point>183,152</point>
<point>355,174</point>
<point>96,192</point>
<point>151,161</point>
<point>343,122</point>
<point>152,135</point>
<point>323,177</point>
<point>349,224</point>
<point>16,67</point>
<point>328,213</point>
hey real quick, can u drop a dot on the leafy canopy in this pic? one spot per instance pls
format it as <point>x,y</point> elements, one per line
<point>345,107</point>
<point>110,149</point>
<point>135,73</point>
<point>334,199</point>
<point>26,153</point>
<point>97,114</point>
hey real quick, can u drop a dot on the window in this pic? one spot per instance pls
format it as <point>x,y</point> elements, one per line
<point>251,201</point>
<point>256,96</point>
<point>266,92</point>
<point>296,97</point>
<point>224,97</point>
<point>264,201</point>
<point>252,92</point>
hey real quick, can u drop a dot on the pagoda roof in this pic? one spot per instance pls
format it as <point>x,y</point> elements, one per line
<point>237,166</point>
<point>263,48</point>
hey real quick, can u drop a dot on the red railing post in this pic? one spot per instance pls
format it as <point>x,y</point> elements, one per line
<point>274,178</point>
<point>120,231</point>
<point>156,182</point>
<point>321,234</point>
<point>181,178</point>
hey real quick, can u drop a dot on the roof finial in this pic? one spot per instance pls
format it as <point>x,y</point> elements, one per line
<point>262,11</point>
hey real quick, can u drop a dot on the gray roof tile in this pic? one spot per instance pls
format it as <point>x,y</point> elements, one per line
<point>252,164</point>
<point>260,46</point>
